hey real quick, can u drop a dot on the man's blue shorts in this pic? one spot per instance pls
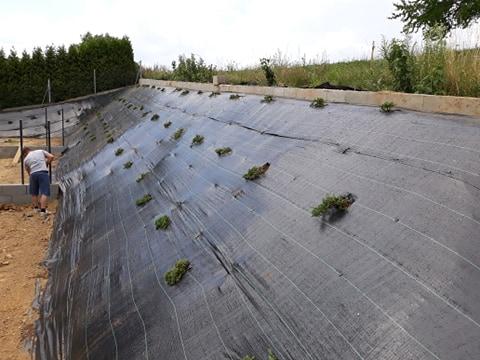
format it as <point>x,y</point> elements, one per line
<point>40,183</point>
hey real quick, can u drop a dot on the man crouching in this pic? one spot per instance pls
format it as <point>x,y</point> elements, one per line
<point>36,162</point>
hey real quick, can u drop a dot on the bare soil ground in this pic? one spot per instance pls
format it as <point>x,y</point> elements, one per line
<point>56,141</point>
<point>24,239</point>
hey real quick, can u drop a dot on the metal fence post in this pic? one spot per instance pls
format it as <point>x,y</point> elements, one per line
<point>46,129</point>
<point>63,129</point>
<point>49,146</point>
<point>21,151</point>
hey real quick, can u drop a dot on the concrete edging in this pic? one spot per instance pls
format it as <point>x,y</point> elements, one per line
<point>417,102</point>
<point>18,193</point>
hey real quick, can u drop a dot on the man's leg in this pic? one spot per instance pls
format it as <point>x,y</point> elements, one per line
<point>44,192</point>
<point>34,188</point>
<point>35,201</point>
<point>43,202</point>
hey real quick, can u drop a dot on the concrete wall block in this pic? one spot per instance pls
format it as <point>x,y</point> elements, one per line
<point>18,193</point>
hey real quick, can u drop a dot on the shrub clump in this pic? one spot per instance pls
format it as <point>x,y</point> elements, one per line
<point>118,152</point>
<point>110,140</point>
<point>144,199</point>
<point>214,93</point>
<point>387,107</point>
<point>163,222</point>
<point>318,103</point>
<point>256,171</point>
<point>167,124</point>
<point>155,117</point>
<point>197,140</point>
<point>127,165</point>
<point>176,273</point>
<point>184,92</point>
<point>234,97</point>
<point>199,92</point>
<point>223,151</point>
<point>267,99</point>
<point>178,134</point>
<point>178,89</point>
<point>141,177</point>
<point>333,203</point>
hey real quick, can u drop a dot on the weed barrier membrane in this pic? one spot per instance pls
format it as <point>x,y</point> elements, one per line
<point>394,277</point>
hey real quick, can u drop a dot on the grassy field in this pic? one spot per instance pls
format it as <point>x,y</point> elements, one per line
<point>435,69</point>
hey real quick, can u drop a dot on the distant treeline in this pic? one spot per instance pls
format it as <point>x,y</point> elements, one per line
<point>23,79</point>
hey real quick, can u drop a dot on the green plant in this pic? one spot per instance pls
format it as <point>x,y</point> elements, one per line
<point>400,62</point>
<point>387,107</point>
<point>223,151</point>
<point>110,140</point>
<point>141,177</point>
<point>127,165</point>
<point>197,140</point>
<point>145,113</point>
<point>167,124</point>
<point>162,222</point>
<point>199,92</point>
<point>214,93</point>
<point>256,171</point>
<point>178,134</point>
<point>144,199</point>
<point>271,355</point>
<point>268,99</point>
<point>155,117</point>
<point>268,71</point>
<point>333,203</point>
<point>118,152</point>
<point>184,92</point>
<point>141,108</point>
<point>192,69</point>
<point>176,273</point>
<point>248,357</point>
<point>93,138</point>
<point>234,97</point>
<point>318,103</point>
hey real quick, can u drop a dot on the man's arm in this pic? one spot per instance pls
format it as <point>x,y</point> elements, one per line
<point>48,157</point>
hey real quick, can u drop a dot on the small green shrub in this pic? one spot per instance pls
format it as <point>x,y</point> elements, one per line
<point>268,71</point>
<point>176,273</point>
<point>214,93</point>
<point>197,140</point>
<point>163,222</point>
<point>155,117</point>
<point>143,200</point>
<point>141,177</point>
<point>163,89</point>
<point>267,99</point>
<point>184,92</point>
<point>145,113</point>
<point>223,151</point>
<point>178,89</point>
<point>387,107</point>
<point>318,103</point>
<point>234,97</point>
<point>167,124</point>
<point>256,171</point>
<point>178,134</point>
<point>333,203</point>
<point>141,108</point>
<point>127,165</point>
<point>93,138</point>
<point>110,140</point>
<point>199,92</point>
<point>248,357</point>
<point>271,355</point>
<point>118,152</point>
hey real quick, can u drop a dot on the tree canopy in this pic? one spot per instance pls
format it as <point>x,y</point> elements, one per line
<point>23,79</point>
<point>424,14</point>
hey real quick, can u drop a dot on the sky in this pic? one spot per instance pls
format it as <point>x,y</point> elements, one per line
<point>222,32</point>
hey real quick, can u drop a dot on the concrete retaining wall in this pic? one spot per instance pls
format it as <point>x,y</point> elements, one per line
<point>426,103</point>
<point>18,193</point>
<point>9,151</point>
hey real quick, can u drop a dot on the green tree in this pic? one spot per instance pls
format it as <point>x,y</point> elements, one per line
<point>424,14</point>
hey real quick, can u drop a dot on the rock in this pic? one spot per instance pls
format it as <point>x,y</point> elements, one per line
<point>9,256</point>
<point>4,263</point>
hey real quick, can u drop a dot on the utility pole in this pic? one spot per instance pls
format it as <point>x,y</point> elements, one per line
<point>94,81</point>
<point>373,51</point>
<point>49,91</point>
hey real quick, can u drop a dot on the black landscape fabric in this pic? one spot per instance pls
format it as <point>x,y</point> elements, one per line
<point>395,276</point>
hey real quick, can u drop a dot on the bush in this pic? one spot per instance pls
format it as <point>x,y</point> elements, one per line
<point>178,134</point>
<point>144,199</point>
<point>333,203</point>
<point>256,171</point>
<point>234,97</point>
<point>197,140</point>
<point>268,99</point>
<point>176,273</point>
<point>167,124</point>
<point>127,165</point>
<point>387,107</point>
<point>199,92</point>
<point>162,222</point>
<point>155,117</point>
<point>214,93</point>
<point>118,152</point>
<point>318,103</point>
<point>110,140</point>
<point>223,151</point>
<point>401,64</point>
<point>184,92</point>
<point>268,71</point>
<point>141,177</point>
<point>192,69</point>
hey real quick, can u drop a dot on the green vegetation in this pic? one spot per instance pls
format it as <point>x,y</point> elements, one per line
<point>144,199</point>
<point>234,97</point>
<point>256,171</point>
<point>248,357</point>
<point>214,93</point>
<point>184,92</point>
<point>127,165</point>
<point>118,152</point>
<point>266,66</point>
<point>185,69</point>
<point>387,107</point>
<point>271,356</point>
<point>167,124</point>
<point>318,103</point>
<point>178,134</point>
<point>23,78</point>
<point>110,140</point>
<point>163,222</point>
<point>176,273</point>
<point>141,108</point>
<point>155,117</point>
<point>178,89</point>
<point>141,177</point>
<point>197,140</point>
<point>223,151</point>
<point>199,92</point>
<point>333,203</point>
<point>267,99</point>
